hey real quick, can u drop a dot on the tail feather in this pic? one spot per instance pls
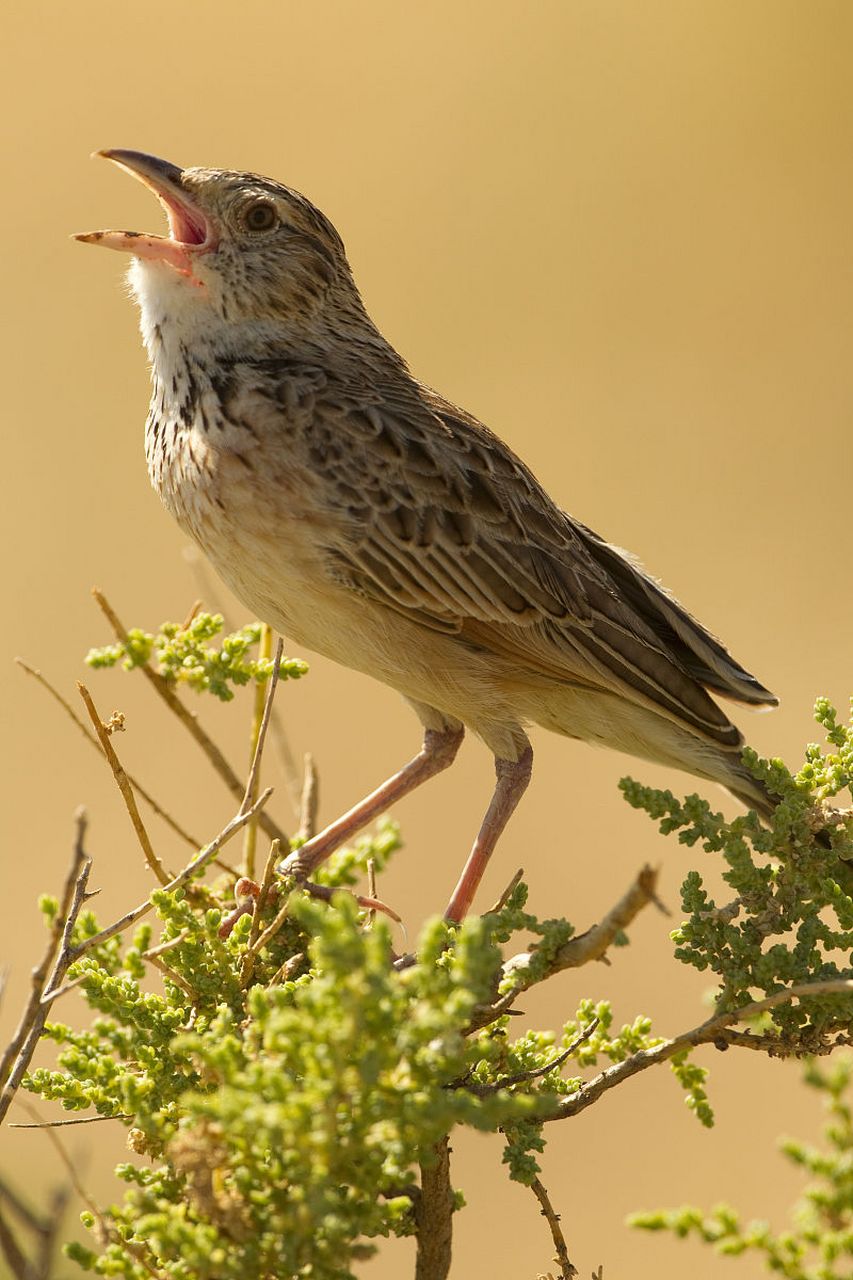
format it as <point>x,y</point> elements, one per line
<point>699,652</point>
<point>754,794</point>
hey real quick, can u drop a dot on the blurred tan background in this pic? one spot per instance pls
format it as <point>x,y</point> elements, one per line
<point>620,233</point>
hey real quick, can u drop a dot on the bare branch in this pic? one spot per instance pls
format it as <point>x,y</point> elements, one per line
<point>505,896</point>
<point>260,719</point>
<point>17,1261</point>
<point>271,930</point>
<point>17,1205</point>
<point>175,978</point>
<point>592,944</point>
<point>153,952</point>
<point>56,959</point>
<point>567,1270</point>
<point>371,889</point>
<point>93,742</point>
<point>59,1148</point>
<point>192,868</point>
<point>190,722</point>
<point>522,1077</point>
<point>433,1213</point>
<point>708,1032</point>
<point>579,950</point>
<point>254,771</point>
<point>66,1124</point>
<point>248,963</point>
<point>309,800</point>
<point>124,787</point>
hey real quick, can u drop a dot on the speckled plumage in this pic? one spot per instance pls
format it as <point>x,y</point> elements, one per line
<point>366,517</point>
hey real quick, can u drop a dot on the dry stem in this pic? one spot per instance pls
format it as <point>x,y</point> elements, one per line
<point>248,963</point>
<point>57,956</point>
<point>190,723</point>
<point>93,741</point>
<point>250,834</point>
<point>567,1270</point>
<point>309,799</point>
<point>588,946</point>
<point>593,944</point>
<point>715,1029</point>
<point>192,868</point>
<point>124,787</point>
<point>523,1077</point>
<point>433,1213</point>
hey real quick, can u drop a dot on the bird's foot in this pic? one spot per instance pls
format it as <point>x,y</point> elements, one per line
<point>247,892</point>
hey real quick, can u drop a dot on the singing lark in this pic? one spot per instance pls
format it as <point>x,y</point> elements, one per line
<point>360,513</point>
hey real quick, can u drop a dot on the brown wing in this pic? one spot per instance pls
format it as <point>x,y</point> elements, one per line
<point>446,525</point>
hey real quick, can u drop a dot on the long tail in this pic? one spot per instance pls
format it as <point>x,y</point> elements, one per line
<point>754,794</point>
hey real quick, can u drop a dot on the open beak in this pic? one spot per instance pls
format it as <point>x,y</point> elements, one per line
<point>190,231</point>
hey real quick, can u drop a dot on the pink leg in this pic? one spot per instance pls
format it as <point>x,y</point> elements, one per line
<point>513,777</point>
<point>437,753</point>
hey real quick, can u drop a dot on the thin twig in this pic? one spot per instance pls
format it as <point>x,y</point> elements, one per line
<point>65,1124</point>
<point>17,1205</point>
<point>248,963</point>
<point>190,722</point>
<point>211,590</point>
<point>59,1147</point>
<point>56,959</point>
<point>195,609</point>
<point>257,755</point>
<point>270,931</point>
<point>505,896</point>
<point>587,946</point>
<point>522,1077</point>
<point>58,992</point>
<point>286,971</point>
<point>124,787</point>
<point>250,832</point>
<point>708,1032</point>
<point>580,950</point>
<point>192,868</point>
<point>309,800</point>
<point>93,742</point>
<point>371,889</point>
<point>567,1270</point>
<point>175,978</point>
<point>18,1262</point>
<point>153,952</point>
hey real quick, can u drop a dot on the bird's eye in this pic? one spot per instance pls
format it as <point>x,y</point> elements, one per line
<point>260,216</point>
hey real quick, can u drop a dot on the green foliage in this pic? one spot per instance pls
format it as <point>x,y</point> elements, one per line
<point>286,1120</point>
<point>349,865</point>
<point>280,1104</point>
<point>184,656</point>
<point>550,936</point>
<point>818,1244</point>
<point>790,919</point>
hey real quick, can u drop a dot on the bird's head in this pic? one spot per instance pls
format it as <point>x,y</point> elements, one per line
<point>240,248</point>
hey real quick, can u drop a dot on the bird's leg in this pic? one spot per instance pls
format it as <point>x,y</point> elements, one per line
<point>513,777</point>
<point>437,753</point>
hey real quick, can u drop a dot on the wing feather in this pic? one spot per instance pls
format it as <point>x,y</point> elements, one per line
<point>441,522</point>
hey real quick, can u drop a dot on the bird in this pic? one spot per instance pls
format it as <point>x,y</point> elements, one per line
<point>358,512</point>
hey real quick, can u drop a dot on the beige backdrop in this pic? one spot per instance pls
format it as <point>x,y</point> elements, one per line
<point>618,232</point>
